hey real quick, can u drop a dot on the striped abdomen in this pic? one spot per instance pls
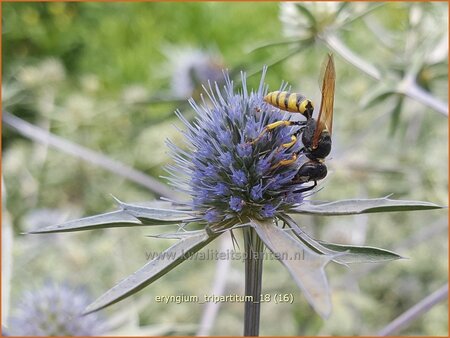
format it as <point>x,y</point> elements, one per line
<point>292,102</point>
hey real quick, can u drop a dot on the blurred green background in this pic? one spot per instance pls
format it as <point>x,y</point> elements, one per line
<point>109,76</point>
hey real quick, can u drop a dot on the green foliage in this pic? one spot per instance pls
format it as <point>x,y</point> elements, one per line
<point>125,45</point>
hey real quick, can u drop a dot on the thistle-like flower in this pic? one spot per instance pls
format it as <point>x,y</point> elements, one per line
<point>229,177</point>
<point>234,177</point>
<point>54,310</point>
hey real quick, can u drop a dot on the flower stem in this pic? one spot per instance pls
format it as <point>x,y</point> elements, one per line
<point>253,280</point>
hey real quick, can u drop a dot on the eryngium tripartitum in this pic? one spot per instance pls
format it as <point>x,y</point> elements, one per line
<point>54,310</point>
<point>229,177</point>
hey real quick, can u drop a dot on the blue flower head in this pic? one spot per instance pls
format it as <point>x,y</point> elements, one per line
<point>55,310</point>
<point>226,174</point>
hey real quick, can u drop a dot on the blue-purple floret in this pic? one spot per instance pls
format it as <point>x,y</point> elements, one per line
<point>236,203</point>
<point>225,174</point>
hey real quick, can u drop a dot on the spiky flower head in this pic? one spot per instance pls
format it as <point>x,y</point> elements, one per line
<point>229,177</point>
<point>55,310</point>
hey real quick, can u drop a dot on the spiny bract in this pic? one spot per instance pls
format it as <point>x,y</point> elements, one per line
<point>229,177</point>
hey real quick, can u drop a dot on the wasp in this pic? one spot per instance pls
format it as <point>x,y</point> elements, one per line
<point>315,134</point>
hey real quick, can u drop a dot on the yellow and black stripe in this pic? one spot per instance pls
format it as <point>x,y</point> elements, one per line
<point>291,102</point>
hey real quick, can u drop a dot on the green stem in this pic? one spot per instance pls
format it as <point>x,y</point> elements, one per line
<point>253,281</point>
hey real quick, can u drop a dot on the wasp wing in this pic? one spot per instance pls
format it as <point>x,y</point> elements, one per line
<point>325,119</point>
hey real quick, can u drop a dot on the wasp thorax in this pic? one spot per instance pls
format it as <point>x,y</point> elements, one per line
<point>323,147</point>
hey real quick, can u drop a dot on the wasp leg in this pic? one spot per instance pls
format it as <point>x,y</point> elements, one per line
<point>296,135</point>
<point>290,144</point>
<point>285,162</point>
<point>294,155</point>
<point>275,125</point>
<point>307,188</point>
<point>270,127</point>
